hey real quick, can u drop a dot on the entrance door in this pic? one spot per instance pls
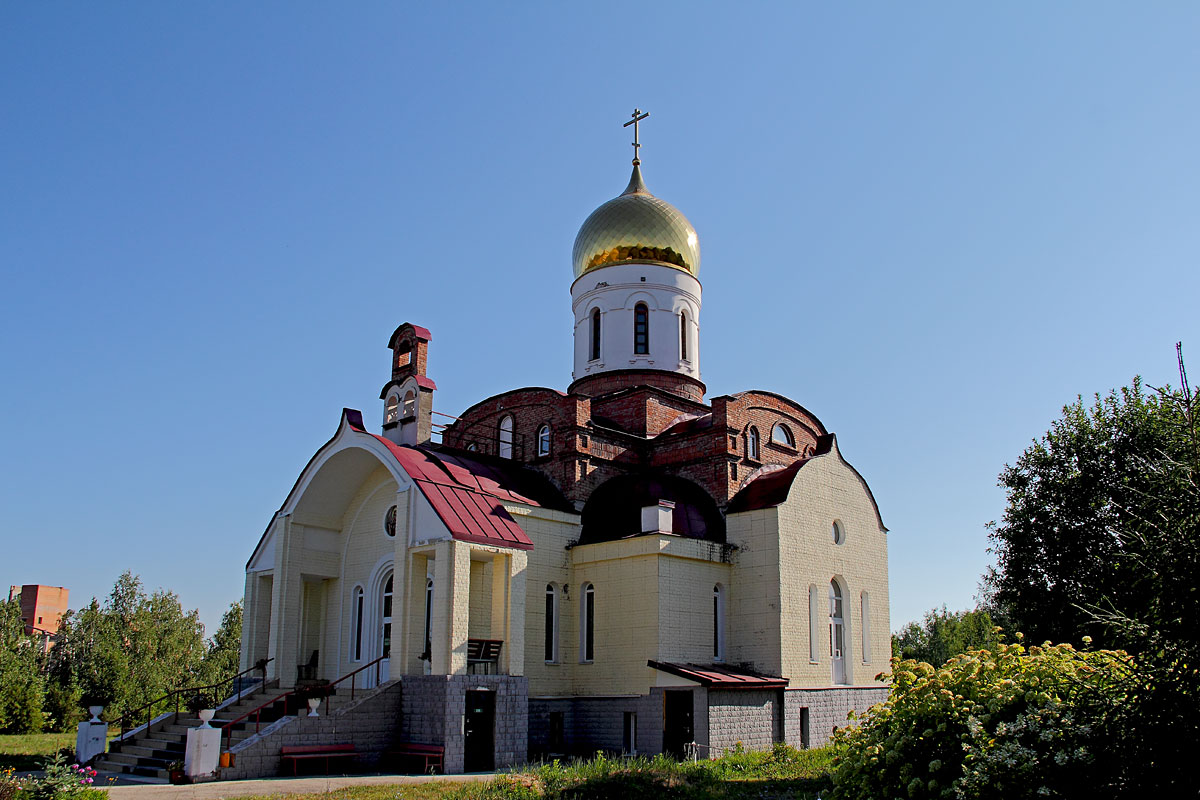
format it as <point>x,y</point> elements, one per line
<point>479,748</point>
<point>837,633</point>
<point>678,727</point>
<point>385,633</point>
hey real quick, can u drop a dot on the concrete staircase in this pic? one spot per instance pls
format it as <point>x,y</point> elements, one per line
<point>145,753</point>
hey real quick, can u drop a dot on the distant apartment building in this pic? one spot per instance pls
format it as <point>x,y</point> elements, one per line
<point>42,608</point>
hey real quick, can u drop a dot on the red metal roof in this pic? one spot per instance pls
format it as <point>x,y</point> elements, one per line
<point>470,505</point>
<point>719,676</point>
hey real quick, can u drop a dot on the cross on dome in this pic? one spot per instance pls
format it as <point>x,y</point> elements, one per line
<point>638,116</point>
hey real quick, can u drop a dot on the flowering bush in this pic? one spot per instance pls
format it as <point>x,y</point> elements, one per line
<point>60,779</point>
<point>1004,722</point>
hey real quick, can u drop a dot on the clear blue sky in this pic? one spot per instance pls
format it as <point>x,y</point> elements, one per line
<point>931,224</point>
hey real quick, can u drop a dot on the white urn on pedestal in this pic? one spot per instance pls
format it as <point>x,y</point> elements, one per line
<point>313,704</point>
<point>92,737</point>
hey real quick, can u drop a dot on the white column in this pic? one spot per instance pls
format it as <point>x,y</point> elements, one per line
<point>452,607</point>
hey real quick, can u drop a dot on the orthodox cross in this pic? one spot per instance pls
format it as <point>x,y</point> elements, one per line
<point>638,116</point>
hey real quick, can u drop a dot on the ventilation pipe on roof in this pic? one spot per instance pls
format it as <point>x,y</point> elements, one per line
<point>657,518</point>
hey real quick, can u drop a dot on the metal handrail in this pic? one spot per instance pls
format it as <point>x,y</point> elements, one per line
<point>127,720</point>
<point>326,688</point>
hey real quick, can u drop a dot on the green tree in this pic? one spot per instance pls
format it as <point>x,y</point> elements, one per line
<point>22,684</point>
<point>128,652</point>
<point>1085,503</point>
<point>943,634</point>
<point>1102,534</point>
<point>224,648</point>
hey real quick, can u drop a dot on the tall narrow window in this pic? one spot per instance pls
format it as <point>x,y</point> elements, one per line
<point>837,632</point>
<point>587,620</point>
<point>551,623</point>
<point>427,655</point>
<point>752,443</point>
<point>718,606</point>
<point>683,336</point>
<point>385,633</point>
<point>392,414</point>
<point>865,625</point>
<point>358,623</point>
<point>410,404</point>
<point>814,623</point>
<point>595,334</point>
<point>630,739</point>
<point>543,440</point>
<point>641,330</point>
<point>506,438</point>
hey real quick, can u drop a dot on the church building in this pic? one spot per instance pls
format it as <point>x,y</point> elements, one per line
<point>628,565</point>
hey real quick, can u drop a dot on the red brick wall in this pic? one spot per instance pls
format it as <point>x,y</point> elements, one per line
<point>584,456</point>
<point>607,382</point>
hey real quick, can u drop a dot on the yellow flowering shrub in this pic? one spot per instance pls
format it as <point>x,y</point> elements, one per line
<point>1004,722</point>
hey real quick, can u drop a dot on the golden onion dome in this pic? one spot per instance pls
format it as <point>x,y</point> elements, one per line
<point>636,227</point>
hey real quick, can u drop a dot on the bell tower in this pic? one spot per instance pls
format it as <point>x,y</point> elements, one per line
<point>636,294</point>
<point>408,396</point>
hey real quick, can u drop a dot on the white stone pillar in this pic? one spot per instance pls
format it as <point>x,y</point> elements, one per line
<point>452,607</point>
<point>285,602</point>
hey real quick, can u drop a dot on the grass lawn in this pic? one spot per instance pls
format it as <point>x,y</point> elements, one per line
<point>782,774</point>
<point>24,752</point>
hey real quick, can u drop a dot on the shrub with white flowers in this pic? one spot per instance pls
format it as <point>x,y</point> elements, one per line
<point>1005,722</point>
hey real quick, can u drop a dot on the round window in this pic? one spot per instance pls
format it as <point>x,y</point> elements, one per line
<point>389,522</point>
<point>839,535</point>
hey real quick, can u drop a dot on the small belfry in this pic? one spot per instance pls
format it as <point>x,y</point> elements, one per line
<point>636,296</point>
<point>408,396</point>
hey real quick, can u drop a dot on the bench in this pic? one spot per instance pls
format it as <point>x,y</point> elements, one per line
<point>430,754</point>
<point>298,753</point>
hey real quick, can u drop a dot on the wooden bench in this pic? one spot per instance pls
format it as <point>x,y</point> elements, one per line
<point>298,753</point>
<point>430,754</point>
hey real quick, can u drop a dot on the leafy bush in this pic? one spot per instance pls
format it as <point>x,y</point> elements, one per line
<point>1006,722</point>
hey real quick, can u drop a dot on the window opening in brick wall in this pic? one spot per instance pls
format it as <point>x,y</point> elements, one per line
<point>782,434</point>
<point>752,443</point>
<point>358,623</point>
<point>427,655</point>
<point>410,404</point>
<point>629,742</point>
<point>587,622</point>
<point>641,330</point>
<point>543,441</point>
<point>551,623</point>
<point>718,623</point>
<point>837,632</point>
<point>595,356</point>
<point>506,437</point>
<point>814,623</point>
<point>385,632</point>
<point>392,414</point>
<point>683,351</point>
<point>866,627</point>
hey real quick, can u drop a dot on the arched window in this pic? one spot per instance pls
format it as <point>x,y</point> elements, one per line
<point>551,623</point>
<point>587,622</point>
<point>392,413</point>
<point>410,404</point>
<point>358,622</point>
<point>427,655</point>
<point>472,447</point>
<point>595,334</point>
<point>506,437</point>
<point>814,623</point>
<point>385,631</point>
<point>837,632</point>
<point>718,623</point>
<point>782,434</point>
<point>641,330</point>
<point>543,441</point>
<point>866,627</point>
<point>752,443</point>
<point>839,535</point>
<point>683,351</point>
<point>403,355</point>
